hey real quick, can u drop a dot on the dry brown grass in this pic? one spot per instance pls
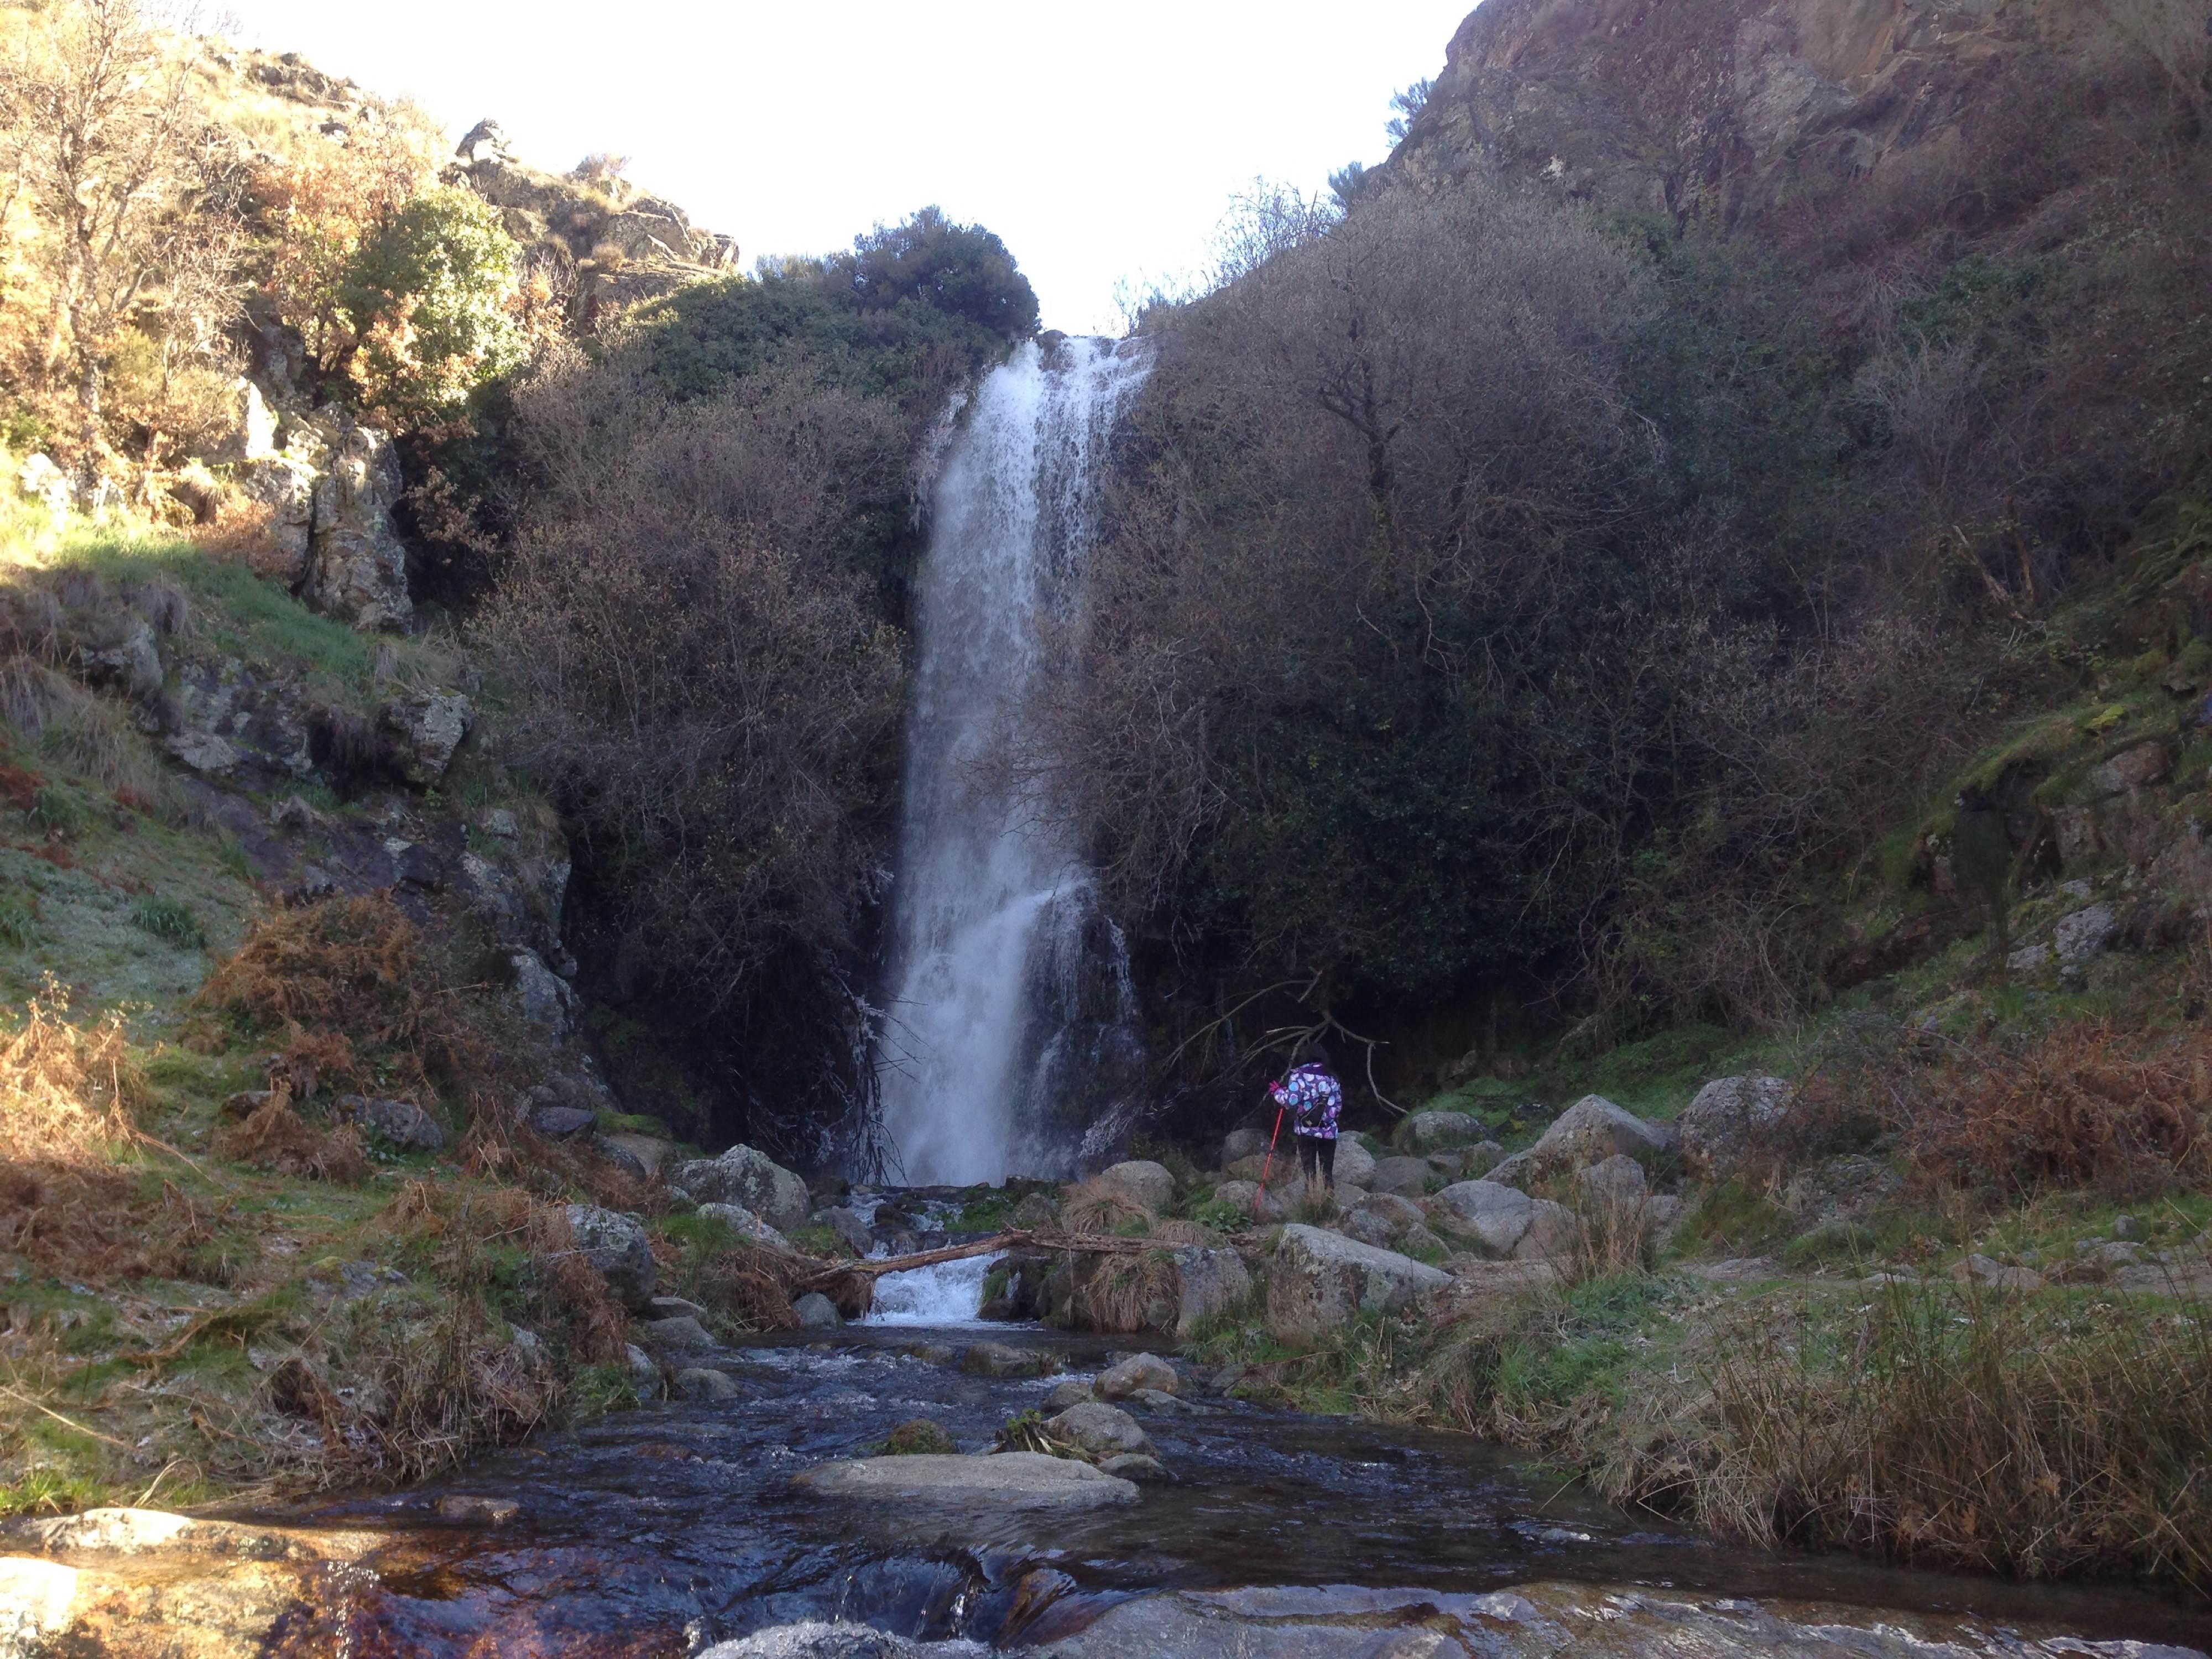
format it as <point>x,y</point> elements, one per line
<point>1120,1292</point>
<point>274,1137</point>
<point>1177,1231</point>
<point>2034,1436</point>
<point>2083,1106</point>
<point>1091,1207</point>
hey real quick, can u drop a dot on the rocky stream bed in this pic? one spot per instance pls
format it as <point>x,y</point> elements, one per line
<point>680,1528</point>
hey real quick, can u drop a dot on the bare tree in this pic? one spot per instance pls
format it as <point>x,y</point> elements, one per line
<point>111,161</point>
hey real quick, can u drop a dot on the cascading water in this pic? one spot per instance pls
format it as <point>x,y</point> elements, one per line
<point>1010,1010</point>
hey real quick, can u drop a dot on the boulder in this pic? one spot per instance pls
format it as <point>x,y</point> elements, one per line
<point>746,1224</point>
<point>1144,1183</point>
<point>1139,1370</point>
<point>247,429</point>
<point>1241,1143</point>
<point>1320,1281</point>
<point>1729,1120</point>
<point>1592,1129</point>
<point>851,1230</point>
<point>1406,1176</point>
<point>40,480</point>
<point>816,1312</point>
<point>616,1246</point>
<point>401,1123</point>
<point>675,1335</point>
<point>2138,768</point>
<point>1398,1211</point>
<point>742,1176</point>
<point>1062,1396</point>
<point>561,1122</point>
<point>1240,1195</point>
<point>1614,1184</point>
<point>356,564</point>
<point>1367,1227</point>
<point>285,484</point>
<point>668,1307</point>
<point>1100,1429</point>
<point>2085,935</point>
<point>426,727</point>
<point>1035,1211</point>
<point>699,1382</point>
<point>1135,1466</point>
<point>1425,1132</point>
<point>1355,1164</point>
<point>1418,1240</point>
<point>1503,1221</point>
<point>1212,1282</point>
<point>1003,1481</point>
<point>546,999</point>
<point>997,1359</point>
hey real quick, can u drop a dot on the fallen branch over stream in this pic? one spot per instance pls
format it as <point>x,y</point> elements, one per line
<point>1038,1238</point>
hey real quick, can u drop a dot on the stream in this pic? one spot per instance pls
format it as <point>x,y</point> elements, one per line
<point>658,1531</point>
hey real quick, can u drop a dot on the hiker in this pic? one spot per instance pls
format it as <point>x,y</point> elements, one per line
<point>1312,1095</point>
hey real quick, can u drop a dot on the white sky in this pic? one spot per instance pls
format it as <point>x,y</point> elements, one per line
<point>1100,141</point>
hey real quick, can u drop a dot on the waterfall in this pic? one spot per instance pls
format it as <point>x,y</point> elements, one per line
<point>1009,1024</point>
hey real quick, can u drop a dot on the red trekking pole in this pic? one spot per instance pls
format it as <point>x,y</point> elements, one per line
<point>1268,1164</point>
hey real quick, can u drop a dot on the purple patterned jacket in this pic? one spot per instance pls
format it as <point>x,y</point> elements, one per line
<point>1314,1098</point>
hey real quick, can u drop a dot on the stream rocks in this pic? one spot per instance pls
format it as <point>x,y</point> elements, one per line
<point>1002,1482</point>
<point>1100,1429</point>
<point>1320,1281</point>
<point>1503,1221</point>
<point>742,1176</point>
<point>1141,1370</point>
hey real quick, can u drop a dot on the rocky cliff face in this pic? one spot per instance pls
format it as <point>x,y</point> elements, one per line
<point>1725,107</point>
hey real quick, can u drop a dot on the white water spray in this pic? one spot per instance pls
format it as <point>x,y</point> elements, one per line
<point>983,874</point>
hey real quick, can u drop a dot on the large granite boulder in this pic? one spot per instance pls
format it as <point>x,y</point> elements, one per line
<point>616,1244</point>
<point>1355,1164</point>
<point>1144,1183</point>
<point>1320,1281</point>
<point>1729,1120</point>
<point>425,728</point>
<point>1214,1282</point>
<point>1407,1176</point>
<point>752,1179</point>
<point>1139,1370</point>
<point>1588,1131</point>
<point>1503,1221</point>
<point>1100,1429</point>
<point>1425,1132</point>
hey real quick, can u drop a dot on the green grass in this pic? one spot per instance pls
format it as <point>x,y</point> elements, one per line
<point>169,919</point>
<point>19,922</point>
<point>1736,1218</point>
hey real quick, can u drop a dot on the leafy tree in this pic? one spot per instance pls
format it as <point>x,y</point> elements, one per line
<point>1409,104</point>
<point>430,296</point>
<point>964,270</point>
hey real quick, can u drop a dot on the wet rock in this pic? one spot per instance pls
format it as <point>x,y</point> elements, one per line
<point>917,1436</point>
<point>1100,1429</point>
<point>744,1176</point>
<point>846,1225</point>
<point>1062,1396</point>
<point>1407,1177</point>
<point>1144,1183</point>
<point>1729,1120</point>
<point>616,1246</point>
<point>997,1359</point>
<point>816,1312</point>
<point>401,1123</point>
<point>674,1335</point>
<point>1319,1282</point>
<point>1141,1370</point>
<point>1427,1132</point>
<point>1141,1467</point>
<point>1004,1481</point>
<point>747,1226</point>
<point>1503,1221</point>
<point>1594,1129</point>
<point>469,1509</point>
<point>701,1384</point>
<point>812,1639</point>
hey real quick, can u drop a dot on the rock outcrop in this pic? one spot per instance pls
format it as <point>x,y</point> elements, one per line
<point>1320,1281</point>
<point>1008,1480</point>
<point>616,1246</point>
<point>752,1179</point>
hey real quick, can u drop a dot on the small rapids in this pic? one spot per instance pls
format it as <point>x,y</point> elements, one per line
<point>950,1294</point>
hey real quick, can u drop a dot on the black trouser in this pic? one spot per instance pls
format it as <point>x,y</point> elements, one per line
<point>1317,1160</point>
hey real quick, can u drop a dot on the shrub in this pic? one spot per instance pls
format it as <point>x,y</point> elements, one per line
<point>429,295</point>
<point>169,919</point>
